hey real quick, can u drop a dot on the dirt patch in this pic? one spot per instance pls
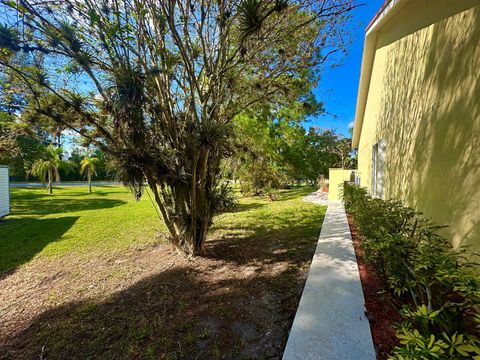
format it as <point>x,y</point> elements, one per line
<point>152,303</point>
<point>382,311</point>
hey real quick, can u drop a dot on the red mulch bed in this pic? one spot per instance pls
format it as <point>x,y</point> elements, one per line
<point>381,311</point>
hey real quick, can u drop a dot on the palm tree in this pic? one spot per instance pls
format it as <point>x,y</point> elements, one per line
<point>48,167</point>
<point>88,167</point>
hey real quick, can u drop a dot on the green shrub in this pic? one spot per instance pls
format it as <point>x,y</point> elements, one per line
<point>262,179</point>
<point>420,267</point>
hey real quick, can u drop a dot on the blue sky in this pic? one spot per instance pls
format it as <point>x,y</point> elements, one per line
<point>338,86</point>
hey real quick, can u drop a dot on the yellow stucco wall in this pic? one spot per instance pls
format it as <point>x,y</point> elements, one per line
<point>337,177</point>
<point>424,101</point>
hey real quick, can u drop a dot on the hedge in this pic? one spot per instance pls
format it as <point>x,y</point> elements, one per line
<point>438,287</point>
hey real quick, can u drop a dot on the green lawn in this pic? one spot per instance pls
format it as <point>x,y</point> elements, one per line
<point>94,280</point>
<point>71,220</point>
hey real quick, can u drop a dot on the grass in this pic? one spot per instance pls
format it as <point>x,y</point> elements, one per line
<point>71,220</point>
<point>96,280</point>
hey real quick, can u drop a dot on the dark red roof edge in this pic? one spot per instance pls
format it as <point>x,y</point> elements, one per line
<point>377,15</point>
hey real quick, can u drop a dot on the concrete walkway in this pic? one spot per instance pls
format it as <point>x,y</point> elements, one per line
<point>330,323</point>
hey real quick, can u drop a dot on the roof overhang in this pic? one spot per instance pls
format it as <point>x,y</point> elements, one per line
<point>387,11</point>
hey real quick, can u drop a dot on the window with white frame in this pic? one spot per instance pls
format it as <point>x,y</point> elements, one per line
<point>378,166</point>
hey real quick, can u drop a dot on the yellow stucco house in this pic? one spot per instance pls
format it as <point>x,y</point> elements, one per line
<point>417,122</point>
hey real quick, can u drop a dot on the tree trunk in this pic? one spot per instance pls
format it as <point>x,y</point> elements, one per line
<point>50,181</point>
<point>201,237</point>
<point>161,206</point>
<point>89,179</point>
<point>188,217</point>
<point>201,204</point>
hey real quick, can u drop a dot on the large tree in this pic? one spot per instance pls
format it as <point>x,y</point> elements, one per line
<point>320,151</point>
<point>20,146</point>
<point>271,143</point>
<point>156,83</point>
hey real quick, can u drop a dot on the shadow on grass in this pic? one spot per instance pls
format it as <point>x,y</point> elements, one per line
<point>37,205</point>
<point>21,239</point>
<point>247,207</point>
<point>176,314</point>
<point>241,308</point>
<point>291,240</point>
<point>285,235</point>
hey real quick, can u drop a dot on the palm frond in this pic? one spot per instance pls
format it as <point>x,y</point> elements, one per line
<point>88,163</point>
<point>253,13</point>
<point>250,17</point>
<point>51,163</point>
<point>40,169</point>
